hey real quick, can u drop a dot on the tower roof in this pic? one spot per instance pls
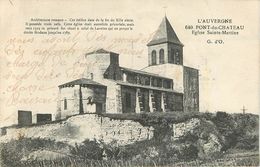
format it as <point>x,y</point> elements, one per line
<point>81,81</point>
<point>101,50</point>
<point>165,33</point>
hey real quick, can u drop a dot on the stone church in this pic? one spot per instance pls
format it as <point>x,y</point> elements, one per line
<point>166,85</point>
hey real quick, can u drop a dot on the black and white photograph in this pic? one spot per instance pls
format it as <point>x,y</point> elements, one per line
<point>95,83</point>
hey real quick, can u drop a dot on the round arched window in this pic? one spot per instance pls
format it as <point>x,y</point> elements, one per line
<point>153,57</point>
<point>177,56</point>
<point>161,56</point>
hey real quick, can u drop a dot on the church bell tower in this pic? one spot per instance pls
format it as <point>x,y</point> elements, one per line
<point>165,46</point>
<point>165,58</point>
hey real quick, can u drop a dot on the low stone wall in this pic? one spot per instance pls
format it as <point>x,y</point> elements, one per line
<point>88,126</point>
<point>181,129</point>
<point>208,139</point>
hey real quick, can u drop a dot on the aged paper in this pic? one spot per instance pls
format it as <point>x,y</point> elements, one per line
<point>45,46</point>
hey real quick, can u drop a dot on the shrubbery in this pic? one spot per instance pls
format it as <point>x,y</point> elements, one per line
<point>239,130</point>
<point>235,131</point>
<point>88,150</point>
<point>13,151</point>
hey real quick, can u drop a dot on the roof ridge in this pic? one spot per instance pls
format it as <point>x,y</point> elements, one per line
<point>83,81</point>
<point>144,72</point>
<point>100,50</point>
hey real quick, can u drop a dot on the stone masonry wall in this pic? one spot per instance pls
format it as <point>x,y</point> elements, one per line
<point>181,129</point>
<point>172,71</point>
<point>191,89</point>
<point>82,127</point>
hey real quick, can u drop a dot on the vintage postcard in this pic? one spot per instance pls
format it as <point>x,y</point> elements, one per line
<point>127,83</point>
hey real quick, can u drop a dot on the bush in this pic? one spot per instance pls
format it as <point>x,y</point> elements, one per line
<point>247,143</point>
<point>188,152</point>
<point>13,151</point>
<point>239,130</point>
<point>89,149</point>
<point>137,150</point>
<point>226,126</point>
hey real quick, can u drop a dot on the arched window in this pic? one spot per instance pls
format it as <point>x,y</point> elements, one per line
<point>91,76</point>
<point>90,100</point>
<point>177,56</point>
<point>171,56</point>
<point>65,104</point>
<point>161,56</point>
<point>124,77</point>
<point>153,57</point>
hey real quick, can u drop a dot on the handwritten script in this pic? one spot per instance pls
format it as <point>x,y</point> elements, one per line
<point>34,66</point>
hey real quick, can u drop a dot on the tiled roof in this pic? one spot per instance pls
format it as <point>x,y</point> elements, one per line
<point>81,81</point>
<point>143,72</point>
<point>165,33</point>
<point>100,51</point>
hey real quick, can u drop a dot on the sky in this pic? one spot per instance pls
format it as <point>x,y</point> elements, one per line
<point>229,72</point>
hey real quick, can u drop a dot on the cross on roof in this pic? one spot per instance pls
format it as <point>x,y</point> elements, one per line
<point>165,7</point>
<point>244,109</point>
